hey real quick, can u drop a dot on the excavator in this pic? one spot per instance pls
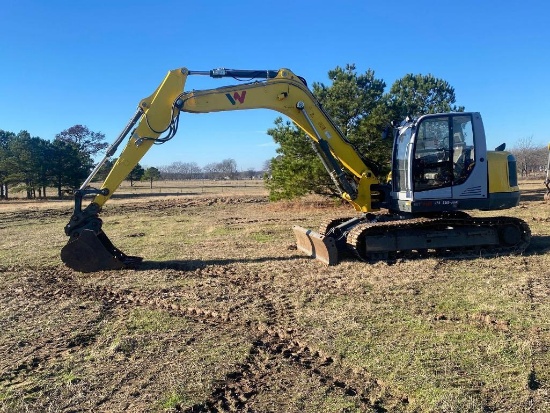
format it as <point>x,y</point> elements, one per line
<point>440,168</point>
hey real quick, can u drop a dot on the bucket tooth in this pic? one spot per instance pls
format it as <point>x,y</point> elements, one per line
<point>315,245</point>
<point>89,252</point>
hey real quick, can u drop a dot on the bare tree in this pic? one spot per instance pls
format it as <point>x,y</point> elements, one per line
<point>531,158</point>
<point>91,143</point>
<point>228,168</point>
<point>181,170</point>
<point>211,170</point>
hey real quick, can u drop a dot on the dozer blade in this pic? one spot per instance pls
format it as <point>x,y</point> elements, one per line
<point>89,252</point>
<point>315,245</point>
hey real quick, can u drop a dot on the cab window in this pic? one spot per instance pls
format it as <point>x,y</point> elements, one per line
<point>432,166</point>
<point>444,152</point>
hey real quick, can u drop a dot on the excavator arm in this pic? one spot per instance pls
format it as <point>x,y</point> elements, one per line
<point>89,249</point>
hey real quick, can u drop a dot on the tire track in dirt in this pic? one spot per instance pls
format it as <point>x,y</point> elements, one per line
<point>269,347</point>
<point>268,351</point>
<point>480,319</point>
<point>34,356</point>
<point>272,345</point>
<point>536,291</point>
<point>173,206</point>
<point>280,312</point>
<point>38,353</point>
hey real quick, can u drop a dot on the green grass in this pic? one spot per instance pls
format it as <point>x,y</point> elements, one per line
<point>172,401</point>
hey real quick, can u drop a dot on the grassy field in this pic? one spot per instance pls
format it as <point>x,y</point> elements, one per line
<point>226,315</point>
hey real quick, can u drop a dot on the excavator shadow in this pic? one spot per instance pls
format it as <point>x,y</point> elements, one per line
<point>190,265</point>
<point>540,244</point>
<point>532,195</point>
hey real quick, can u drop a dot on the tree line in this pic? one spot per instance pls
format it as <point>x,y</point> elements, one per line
<point>32,164</point>
<point>176,171</point>
<point>226,169</point>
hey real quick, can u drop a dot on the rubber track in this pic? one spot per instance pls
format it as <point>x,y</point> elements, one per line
<point>355,237</point>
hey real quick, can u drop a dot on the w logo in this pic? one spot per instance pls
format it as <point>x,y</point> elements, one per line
<point>236,97</point>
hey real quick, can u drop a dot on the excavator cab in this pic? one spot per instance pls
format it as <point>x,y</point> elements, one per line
<point>441,163</point>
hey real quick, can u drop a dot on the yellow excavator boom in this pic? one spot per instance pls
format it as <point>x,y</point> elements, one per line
<point>158,114</point>
<point>285,93</point>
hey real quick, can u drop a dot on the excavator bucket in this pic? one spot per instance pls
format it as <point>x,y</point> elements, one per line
<point>89,252</point>
<point>315,245</point>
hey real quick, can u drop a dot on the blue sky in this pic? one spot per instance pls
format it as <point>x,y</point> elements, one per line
<point>74,62</point>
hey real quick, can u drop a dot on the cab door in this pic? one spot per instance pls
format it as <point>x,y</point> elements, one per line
<point>469,157</point>
<point>432,168</point>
